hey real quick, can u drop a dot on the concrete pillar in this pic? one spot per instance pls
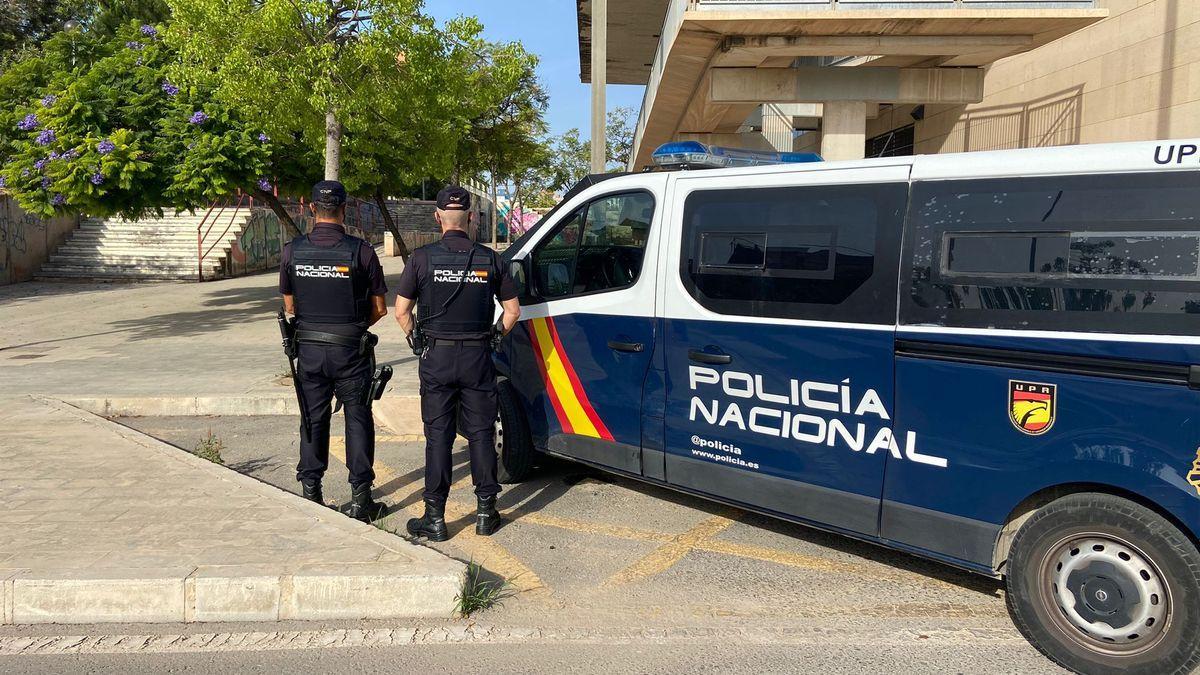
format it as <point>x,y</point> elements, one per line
<point>777,127</point>
<point>844,130</point>
<point>599,81</point>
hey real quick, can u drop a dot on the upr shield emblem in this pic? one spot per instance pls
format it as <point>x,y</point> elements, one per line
<point>1193,476</point>
<point>1032,406</point>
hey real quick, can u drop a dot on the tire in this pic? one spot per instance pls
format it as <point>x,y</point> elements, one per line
<point>513,442</point>
<point>1100,584</point>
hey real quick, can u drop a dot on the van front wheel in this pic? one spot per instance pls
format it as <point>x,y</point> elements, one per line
<point>1101,584</point>
<point>514,445</point>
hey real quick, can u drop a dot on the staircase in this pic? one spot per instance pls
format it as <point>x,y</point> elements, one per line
<point>154,248</point>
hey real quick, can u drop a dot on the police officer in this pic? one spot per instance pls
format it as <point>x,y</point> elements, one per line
<point>454,284</point>
<point>334,285</point>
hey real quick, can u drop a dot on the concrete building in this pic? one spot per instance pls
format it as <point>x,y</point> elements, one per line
<point>855,78</point>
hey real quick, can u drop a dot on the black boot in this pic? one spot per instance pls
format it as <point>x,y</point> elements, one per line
<point>432,524</point>
<point>488,518</point>
<point>311,490</point>
<point>362,507</point>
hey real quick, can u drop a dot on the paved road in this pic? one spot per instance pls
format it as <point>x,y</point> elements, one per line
<point>608,574</point>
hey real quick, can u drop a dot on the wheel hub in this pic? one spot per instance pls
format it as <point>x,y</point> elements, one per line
<point>1109,592</point>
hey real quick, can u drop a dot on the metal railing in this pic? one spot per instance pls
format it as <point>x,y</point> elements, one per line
<point>201,237</point>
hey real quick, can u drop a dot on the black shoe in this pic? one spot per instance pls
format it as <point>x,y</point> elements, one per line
<point>432,525</point>
<point>488,518</point>
<point>362,507</point>
<point>311,490</point>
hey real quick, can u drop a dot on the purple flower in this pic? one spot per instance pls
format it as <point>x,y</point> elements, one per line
<point>54,155</point>
<point>106,146</point>
<point>198,117</point>
<point>40,164</point>
<point>169,88</point>
<point>46,182</point>
<point>46,137</point>
<point>29,123</point>
<point>70,154</point>
<point>3,182</point>
<point>263,138</point>
<point>49,100</point>
<point>149,31</point>
<point>58,199</point>
<point>24,173</point>
<point>134,45</point>
<point>97,178</point>
<point>264,185</point>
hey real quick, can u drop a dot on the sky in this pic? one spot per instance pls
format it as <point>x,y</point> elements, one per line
<point>547,28</point>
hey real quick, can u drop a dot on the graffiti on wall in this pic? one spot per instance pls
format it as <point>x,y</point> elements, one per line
<point>259,245</point>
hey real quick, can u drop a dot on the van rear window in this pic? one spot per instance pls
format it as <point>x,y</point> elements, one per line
<point>1109,253</point>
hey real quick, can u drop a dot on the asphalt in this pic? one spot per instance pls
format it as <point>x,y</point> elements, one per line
<point>679,583</point>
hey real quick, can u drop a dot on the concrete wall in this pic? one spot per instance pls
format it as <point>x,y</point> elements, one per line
<point>1133,76</point>
<point>27,241</point>
<point>259,245</point>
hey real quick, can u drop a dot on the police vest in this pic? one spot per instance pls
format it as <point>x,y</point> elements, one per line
<point>327,283</point>
<point>467,314</point>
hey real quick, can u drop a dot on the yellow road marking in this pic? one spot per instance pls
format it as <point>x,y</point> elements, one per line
<point>484,551</point>
<point>664,557</point>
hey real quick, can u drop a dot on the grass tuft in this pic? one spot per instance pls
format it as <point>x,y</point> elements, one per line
<point>479,594</point>
<point>210,448</point>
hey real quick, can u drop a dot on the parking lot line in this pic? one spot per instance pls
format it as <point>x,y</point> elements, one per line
<point>666,556</point>
<point>483,551</point>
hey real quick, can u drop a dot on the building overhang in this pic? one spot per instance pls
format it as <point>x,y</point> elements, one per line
<point>697,39</point>
<point>634,28</point>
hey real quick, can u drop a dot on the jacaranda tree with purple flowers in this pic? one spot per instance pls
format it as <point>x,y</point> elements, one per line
<point>93,123</point>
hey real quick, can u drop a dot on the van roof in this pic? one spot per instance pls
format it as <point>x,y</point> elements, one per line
<point>1169,155</point>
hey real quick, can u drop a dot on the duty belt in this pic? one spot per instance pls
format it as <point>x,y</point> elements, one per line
<point>319,337</point>
<point>442,342</point>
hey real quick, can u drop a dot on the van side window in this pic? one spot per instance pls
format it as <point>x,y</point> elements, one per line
<point>818,253</point>
<point>597,248</point>
<point>1106,253</point>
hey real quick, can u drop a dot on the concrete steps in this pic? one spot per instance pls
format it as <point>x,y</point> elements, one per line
<point>159,248</point>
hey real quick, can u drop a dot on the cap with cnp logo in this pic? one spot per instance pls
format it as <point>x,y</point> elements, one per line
<point>329,193</point>
<point>454,198</point>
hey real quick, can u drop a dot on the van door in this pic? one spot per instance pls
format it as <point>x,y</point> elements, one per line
<point>587,335</point>
<point>779,317</point>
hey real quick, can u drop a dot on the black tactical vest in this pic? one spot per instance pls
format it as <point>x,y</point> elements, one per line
<point>470,314</point>
<point>327,283</point>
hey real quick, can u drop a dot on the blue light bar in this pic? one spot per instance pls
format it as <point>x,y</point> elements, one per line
<point>697,155</point>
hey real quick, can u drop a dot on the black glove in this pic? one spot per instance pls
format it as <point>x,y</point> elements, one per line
<point>497,334</point>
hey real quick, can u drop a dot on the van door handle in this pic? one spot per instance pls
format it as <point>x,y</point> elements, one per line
<point>625,346</point>
<point>708,357</point>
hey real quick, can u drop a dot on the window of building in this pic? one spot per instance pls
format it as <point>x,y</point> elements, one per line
<point>1109,253</point>
<point>895,143</point>
<point>597,248</point>
<point>818,253</point>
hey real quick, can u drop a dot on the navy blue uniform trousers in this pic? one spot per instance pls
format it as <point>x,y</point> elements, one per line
<point>458,384</point>
<point>335,370</point>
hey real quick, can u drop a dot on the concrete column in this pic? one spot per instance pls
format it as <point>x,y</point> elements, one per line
<point>599,81</point>
<point>844,130</point>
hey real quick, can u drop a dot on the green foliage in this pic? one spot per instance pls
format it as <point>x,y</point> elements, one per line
<point>27,23</point>
<point>572,154</point>
<point>479,593</point>
<point>91,126</point>
<point>210,448</point>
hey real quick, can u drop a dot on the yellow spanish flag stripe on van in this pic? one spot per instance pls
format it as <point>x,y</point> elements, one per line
<point>575,412</point>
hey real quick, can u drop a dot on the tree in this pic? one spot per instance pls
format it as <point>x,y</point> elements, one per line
<point>572,154</point>
<point>620,126</point>
<point>27,23</point>
<point>91,123</point>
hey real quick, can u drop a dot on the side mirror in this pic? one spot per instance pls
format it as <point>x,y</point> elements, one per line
<point>519,271</point>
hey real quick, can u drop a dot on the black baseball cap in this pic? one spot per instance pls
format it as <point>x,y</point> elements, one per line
<point>329,193</point>
<point>454,198</point>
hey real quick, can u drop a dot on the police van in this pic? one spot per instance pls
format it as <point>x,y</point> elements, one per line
<point>988,359</point>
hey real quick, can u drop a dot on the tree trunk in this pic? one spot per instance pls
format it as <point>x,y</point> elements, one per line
<point>284,216</point>
<point>333,146</point>
<point>381,201</point>
<point>495,213</point>
<point>508,231</point>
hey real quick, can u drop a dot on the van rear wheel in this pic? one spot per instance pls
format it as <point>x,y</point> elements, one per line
<point>1101,584</point>
<point>514,445</point>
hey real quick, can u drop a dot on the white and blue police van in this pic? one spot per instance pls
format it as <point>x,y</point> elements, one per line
<point>988,359</point>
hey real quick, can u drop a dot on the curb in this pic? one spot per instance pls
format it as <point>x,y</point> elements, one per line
<point>186,406</point>
<point>405,581</point>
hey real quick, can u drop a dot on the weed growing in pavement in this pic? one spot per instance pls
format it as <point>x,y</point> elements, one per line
<point>210,448</point>
<point>478,594</point>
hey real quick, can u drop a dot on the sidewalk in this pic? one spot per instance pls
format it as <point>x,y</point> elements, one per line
<point>99,523</point>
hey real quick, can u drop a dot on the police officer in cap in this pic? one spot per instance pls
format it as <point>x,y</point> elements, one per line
<point>334,285</point>
<point>454,284</point>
